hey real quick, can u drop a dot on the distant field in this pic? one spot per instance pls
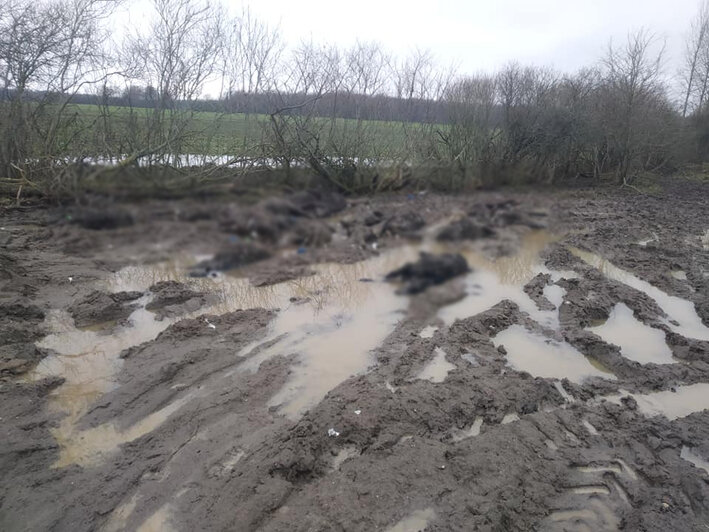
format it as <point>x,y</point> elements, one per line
<point>211,133</point>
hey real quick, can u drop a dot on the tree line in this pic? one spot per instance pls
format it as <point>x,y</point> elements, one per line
<point>355,115</point>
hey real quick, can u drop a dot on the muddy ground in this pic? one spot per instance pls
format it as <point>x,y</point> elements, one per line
<point>213,365</point>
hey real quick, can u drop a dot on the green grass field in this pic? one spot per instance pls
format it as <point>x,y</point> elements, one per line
<point>209,133</point>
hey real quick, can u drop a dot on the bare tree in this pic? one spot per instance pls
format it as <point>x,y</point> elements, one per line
<point>633,89</point>
<point>695,75</point>
<point>49,52</point>
<point>177,56</point>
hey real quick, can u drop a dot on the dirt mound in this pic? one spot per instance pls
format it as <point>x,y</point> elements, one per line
<point>110,217</point>
<point>288,221</point>
<point>101,307</point>
<point>20,327</point>
<point>172,298</point>
<point>429,270</point>
<point>464,229</point>
<point>318,203</point>
<point>404,224</point>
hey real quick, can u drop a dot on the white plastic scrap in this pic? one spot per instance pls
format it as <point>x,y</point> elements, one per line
<point>332,433</point>
<point>71,279</point>
<point>358,412</point>
<point>210,325</point>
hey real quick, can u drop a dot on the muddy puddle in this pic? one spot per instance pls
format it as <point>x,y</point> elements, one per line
<point>691,456</point>
<point>673,404</point>
<point>491,281</point>
<point>438,368</point>
<point>637,341</point>
<point>415,522</point>
<point>89,362</point>
<point>331,321</point>
<point>545,357</point>
<point>682,315</point>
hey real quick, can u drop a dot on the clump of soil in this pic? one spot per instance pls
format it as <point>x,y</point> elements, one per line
<point>236,255</point>
<point>172,298</point>
<point>464,229</point>
<point>101,307</point>
<point>20,327</point>
<point>110,217</point>
<point>404,224</point>
<point>429,270</point>
<point>291,220</point>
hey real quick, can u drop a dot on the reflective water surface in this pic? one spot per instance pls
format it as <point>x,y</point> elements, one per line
<point>637,341</point>
<point>682,312</point>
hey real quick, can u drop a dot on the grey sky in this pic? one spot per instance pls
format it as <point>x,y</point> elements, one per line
<point>476,34</point>
<point>483,34</point>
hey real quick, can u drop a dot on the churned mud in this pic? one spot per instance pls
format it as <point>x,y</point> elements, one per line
<point>496,361</point>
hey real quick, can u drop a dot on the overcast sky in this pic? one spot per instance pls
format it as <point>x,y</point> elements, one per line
<point>479,34</point>
<point>484,34</point>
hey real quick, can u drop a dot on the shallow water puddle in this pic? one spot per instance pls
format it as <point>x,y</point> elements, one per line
<point>684,401</point>
<point>653,238</point>
<point>333,324</point>
<point>416,522</point>
<point>495,280</point>
<point>544,357</point>
<point>680,275</point>
<point>87,447</point>
<point>437,369</point>
<point>89,362</point>
<point>688,322</point>
<point>343,455</point>
<point>637,341</point>
<point>332,330</point>
<point>688,454</point>
<point>158,522</point>
<point>471,432</point>
<point>428,331</point>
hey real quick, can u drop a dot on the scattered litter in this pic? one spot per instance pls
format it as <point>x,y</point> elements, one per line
<point>233,238</point>
<point>210,325</point>
<point>390,387</point>
<point>358,412</point>
<point>71,279</point>
<point>374,246</point>
<point>332,433</point>
<point>301,251</point>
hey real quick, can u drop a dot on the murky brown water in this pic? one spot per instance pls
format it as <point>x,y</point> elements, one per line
<point>333,330</point>
<point>415,522</point>
<point>494,280</point>
<point>685,400</point>
<point>438,368</point>
<point>545,357</point>
<point>689,324</point>
<point>691,456</point>
<point>637,341</point>
<point>470,432</point>
<point>331,322</point>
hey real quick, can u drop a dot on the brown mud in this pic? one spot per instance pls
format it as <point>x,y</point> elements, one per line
<point>562,383</point>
